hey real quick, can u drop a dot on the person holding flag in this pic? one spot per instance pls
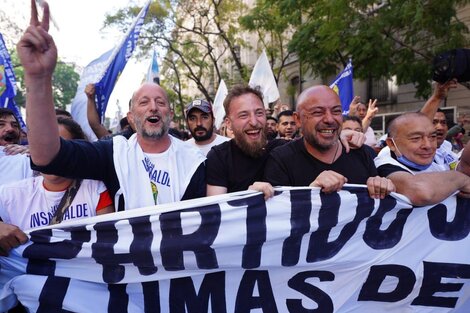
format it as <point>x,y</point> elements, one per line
<point>150,168</point>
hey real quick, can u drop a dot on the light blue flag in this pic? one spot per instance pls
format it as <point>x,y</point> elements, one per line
<point>153,73</point>
<point>343,86</point>
<point>8,83</point>
<point>118,60</point>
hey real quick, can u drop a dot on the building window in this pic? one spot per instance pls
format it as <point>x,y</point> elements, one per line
<point>383,89</point>
<point>294,88</point>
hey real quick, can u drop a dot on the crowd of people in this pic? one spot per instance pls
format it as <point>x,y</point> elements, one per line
<point>61,175</point>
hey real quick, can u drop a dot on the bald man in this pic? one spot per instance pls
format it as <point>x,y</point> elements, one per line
<point>320,159</point>
<point>150,168</point>
<point>408,160</point>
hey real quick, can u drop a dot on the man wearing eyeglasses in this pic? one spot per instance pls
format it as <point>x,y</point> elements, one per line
<point>408,160</point>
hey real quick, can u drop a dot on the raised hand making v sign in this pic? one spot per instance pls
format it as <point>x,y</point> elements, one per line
<point>38,55</point>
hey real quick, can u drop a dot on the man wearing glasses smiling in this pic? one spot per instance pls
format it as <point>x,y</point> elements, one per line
<point>409,162</point>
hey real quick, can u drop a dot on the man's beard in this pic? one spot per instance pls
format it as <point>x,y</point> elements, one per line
<point>11,137</point>
<point>270,135</point>
<point>206,136</point>
<point>254,149</point>
<point>156,133</point>
<point>323,147</point>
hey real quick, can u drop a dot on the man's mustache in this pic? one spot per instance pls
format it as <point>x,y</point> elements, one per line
<point>199,128</point>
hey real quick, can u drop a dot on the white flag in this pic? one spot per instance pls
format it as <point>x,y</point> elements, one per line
<point>218,106</point>
<point>263,77</point>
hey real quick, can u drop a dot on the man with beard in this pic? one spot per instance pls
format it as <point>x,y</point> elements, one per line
<point>320,159</point>
<point>200,120</point>
<point>237,164</point>
<point>150,168</point>
<point>12,167</point>
<point>271,127</point>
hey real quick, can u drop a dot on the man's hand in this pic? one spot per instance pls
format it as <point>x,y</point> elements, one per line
<point>379,187</point>
<point>351,139</point>
<point>371,109</point>
<point>441,90</point>
<point>329,181</point>
<point>90,91</point>
<point>13,149</point>
<point>10,237</point>
<point>266,188</point>
<point>36,48</point>
<point>353,105</point>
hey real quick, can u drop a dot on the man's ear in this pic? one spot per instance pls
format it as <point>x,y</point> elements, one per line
<point>390,144</point>
<point>297,120</point>
<point>228,123</point>
<point>130,119</point>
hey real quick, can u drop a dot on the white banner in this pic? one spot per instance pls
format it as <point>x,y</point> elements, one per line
<point>301,251</point>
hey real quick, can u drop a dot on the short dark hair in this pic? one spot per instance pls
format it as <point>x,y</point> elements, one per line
<point>240,90</point>
<point>7,112</point>
<point>352,118</point>
<point>59,111</point>
<point>285,113</point>
<point>271,118</point>
<point>72,127</point>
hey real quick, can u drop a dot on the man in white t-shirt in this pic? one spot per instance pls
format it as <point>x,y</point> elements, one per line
<point>409,162</point>
<point>12,167</point>
<point>200,121</point>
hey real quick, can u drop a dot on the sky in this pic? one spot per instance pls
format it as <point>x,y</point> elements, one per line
<point>79,38</point>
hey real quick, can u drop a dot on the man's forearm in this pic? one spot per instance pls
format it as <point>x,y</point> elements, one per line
<point>43,133</point>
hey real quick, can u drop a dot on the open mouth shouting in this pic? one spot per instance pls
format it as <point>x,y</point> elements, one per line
<point>10,138</point>
<point>154,119</point>
<point>253,134</point>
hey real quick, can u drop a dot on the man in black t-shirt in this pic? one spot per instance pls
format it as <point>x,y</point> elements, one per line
<point>319,159</point>
<point>237,164</point>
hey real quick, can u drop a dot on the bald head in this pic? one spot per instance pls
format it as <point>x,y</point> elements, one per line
<point>319,114</point>
<point>405,119</point>
<point>148,88</point>
<point>318,93</point>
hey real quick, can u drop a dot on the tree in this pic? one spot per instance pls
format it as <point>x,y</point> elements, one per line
<point>202,38</point>
<point>384,38</point>
<point>64,82</point>
<point>274,32</point>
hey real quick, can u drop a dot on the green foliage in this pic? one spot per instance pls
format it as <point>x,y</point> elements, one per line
<point>64,82</point>
<point>383,38</point>
<point>197,36</point>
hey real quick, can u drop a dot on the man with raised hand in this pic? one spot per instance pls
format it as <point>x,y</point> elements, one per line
<point>150,168</point>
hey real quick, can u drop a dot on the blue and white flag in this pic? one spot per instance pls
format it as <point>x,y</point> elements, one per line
<point>90,75</point>
<point>300,251</point>
<point>343,86</point>
<point>8,83</point>
<point>117,62</point>
<point>153,72</point>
